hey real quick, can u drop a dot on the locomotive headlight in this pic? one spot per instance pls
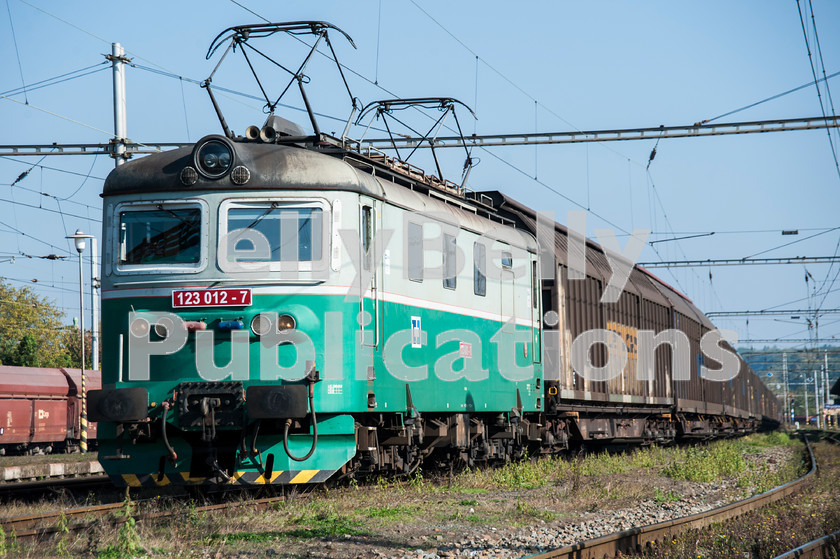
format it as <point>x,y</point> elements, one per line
<point>260,325</point>
<point>139,327</point>
<point>214,158</point>
<point>161,330</point>
<point>286,322</point>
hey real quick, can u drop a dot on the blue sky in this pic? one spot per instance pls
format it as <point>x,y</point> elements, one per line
<point>547,66</point>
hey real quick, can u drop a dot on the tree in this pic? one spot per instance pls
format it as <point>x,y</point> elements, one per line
<point>31,333</point>
<point>26,353</point>
<point>71,341</point>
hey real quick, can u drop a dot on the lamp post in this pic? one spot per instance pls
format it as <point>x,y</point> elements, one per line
<point>80,239</point>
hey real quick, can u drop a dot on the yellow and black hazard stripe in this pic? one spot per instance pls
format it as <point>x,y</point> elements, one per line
<point>282,477</point>
<point>238,478</point>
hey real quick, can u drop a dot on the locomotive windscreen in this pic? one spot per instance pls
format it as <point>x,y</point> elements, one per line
<point>161,236</point>
<point>293,234</point>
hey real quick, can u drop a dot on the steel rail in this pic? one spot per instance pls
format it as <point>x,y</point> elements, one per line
<point>632,540</point>
<point>815,549</point>
<point>43,525</point>
<point>818,548</point>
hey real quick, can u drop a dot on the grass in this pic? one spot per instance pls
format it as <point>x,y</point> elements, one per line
<point>773,530</point>
<point>324,523</point>
<point>661,496</point>
<point>250,537</point>
<point>416,512</point>
<point>389,513</point>
<point>706,463</point>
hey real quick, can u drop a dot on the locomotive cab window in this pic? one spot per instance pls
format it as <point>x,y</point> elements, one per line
<point>161,236</point>
<point>273,232</point>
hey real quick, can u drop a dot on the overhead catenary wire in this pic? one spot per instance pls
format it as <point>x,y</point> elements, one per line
<point>19,232</point>
<point>56,169</point>
<point>62,78</point>
<point>48,195</point>
<point>50,210</point>
<point>822,65</point>
<point>84,180</point>
<point>17,50</point>
<point>57,115</point>
<point>816,84</point>
<point>677,242</point>
<point>517,169</point>
<point>792,243</point>
<point>771,98</point>
<point>831,106</point>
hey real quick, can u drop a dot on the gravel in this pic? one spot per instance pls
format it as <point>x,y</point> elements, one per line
<point>506,543</point>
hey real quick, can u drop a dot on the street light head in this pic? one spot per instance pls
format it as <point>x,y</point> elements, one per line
<point>80,239</point>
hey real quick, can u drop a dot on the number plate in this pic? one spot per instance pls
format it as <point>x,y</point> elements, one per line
<point>211,298</point>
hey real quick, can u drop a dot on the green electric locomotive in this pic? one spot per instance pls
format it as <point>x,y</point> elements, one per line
<point>277,312</point>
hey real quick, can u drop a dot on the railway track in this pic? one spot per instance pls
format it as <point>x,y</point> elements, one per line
<point>632,540</point>
<point>35,527</point>
<point>826,546</point>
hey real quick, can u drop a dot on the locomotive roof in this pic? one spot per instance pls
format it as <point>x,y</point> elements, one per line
<point>272,167</point>
<point>278,167</point>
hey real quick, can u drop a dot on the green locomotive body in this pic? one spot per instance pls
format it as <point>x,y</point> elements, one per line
<point>242,316</point>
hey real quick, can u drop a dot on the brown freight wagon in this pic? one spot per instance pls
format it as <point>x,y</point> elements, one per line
<point>671,400</point>
<point>40,409</point>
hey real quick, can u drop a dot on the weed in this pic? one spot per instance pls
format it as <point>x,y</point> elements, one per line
<point>325,524</point>
<point>4,548</point>
<point>389,513</point>
<point>12,543</point>
<point>519,475</point>
<point>527,511</point>
<point>416,480</point>
<point>576,467</point>
<point>666,496</point>
<point>192,517</point>
<point>253,537</point>
<point>63,529</point>
<point>468,502</point>
<point>778,438</point>
<point>707,463</point>
<point>383,484</point>
<point>128,540</point>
